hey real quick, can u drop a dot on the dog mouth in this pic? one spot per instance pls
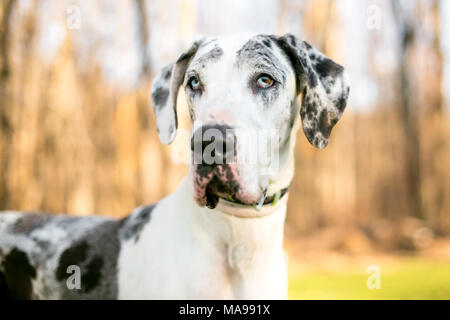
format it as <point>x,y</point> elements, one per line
<point>212,183</point>
<point>216,190</point>
<point>222,182</point>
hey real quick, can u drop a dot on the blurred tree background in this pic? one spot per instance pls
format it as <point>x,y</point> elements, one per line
<point>77,131</point>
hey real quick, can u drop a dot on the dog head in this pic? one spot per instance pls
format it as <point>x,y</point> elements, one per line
<point>242,91</point>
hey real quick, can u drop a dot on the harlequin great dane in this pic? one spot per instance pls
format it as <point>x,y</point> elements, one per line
<point>220,234</point>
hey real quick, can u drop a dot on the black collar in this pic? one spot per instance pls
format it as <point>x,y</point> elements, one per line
<point>273,199</point>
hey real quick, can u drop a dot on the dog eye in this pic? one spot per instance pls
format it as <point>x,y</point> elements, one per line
<point>264,82</point>
<point>194,83</point>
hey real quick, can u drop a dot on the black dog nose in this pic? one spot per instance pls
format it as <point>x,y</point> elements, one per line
<point>213,144</point>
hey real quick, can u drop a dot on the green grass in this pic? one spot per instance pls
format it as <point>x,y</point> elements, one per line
<point>405,279</point>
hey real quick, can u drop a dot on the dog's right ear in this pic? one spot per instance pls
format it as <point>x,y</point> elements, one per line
<point>165,88</point>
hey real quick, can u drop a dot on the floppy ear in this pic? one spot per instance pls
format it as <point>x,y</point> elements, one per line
<point>324,87</point>
<point>165,88</point>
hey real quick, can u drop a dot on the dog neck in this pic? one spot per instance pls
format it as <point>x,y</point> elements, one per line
<point>243,234</point>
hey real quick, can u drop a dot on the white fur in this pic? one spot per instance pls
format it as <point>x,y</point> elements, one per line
<point>187,252</point>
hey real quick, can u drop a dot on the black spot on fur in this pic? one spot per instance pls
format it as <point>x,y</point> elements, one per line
<point>134,224</point>
<point>92,276</point>
<point>211,56</point>
<point>342,101</point>
<point>90,266</point>
<point>267,43</point>
<point>292,114</point>
<point>307,45</point>
<point>167,73</point>
<point>29,222</point>
<point>310,106</point>
<point>312,79</point>
<point>192,113</point>
<point>78,255</point>
<point>160,96</point>
<point>75,255</point>
<point>204,170</point>
<point>326,67</point>
<point>15,281</point>
<point>326,123</point>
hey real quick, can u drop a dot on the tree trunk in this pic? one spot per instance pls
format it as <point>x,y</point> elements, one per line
<point>6,128</point>
<point>143,38</point>
<point>434,116</point>
<point>408,113</point>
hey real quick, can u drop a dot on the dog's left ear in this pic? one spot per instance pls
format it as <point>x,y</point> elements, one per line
<point>324,87</point>
<point>165,88</point>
